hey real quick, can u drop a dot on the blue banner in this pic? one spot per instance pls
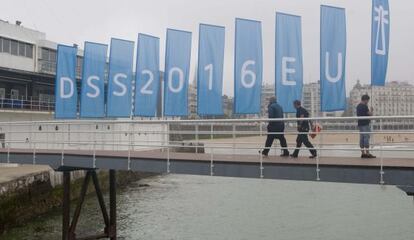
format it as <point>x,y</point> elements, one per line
<point>380,39</point>
<point>177,68</point>
<point>93,81</point>
<point>248,67</point>
<point>66,91</point>
<point>332,58</point>
<point>120,78</point>
<point>147,78</point>
<point>289,63</point>
<point>210,70</point>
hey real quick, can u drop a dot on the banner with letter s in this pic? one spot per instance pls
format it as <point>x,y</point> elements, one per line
<point>248,66</point>
<point>66,91</point>
<point>332,58</point>
<point>380,40</point>
<point>147,78</point>
<point>210,70</point>
<point>120,78</point>
<point>93,81</point>
<point>289,63</point>
<point>177,70</point>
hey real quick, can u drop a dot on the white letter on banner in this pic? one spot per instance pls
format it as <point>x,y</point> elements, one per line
<point>381,18</point>
<point>339,72</point>
<point>120,84</point>
<point>62,87</point>
<point>144,89</point>
<point>180,80</point>
<point>245,72</point>
<point>286,71</point>
<point>90,84</point>
<point>209,68</point>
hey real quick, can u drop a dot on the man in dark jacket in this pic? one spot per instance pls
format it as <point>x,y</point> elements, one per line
<point>275,129</point>
<point>364,126</point>
<point>303,129</point>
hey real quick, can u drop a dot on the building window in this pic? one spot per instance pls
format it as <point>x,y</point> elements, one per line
<point>29,50</point>
<point>13,47</point>
<point>22,49</point>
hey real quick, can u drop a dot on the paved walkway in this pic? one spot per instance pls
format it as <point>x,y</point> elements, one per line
<point>10,172</point>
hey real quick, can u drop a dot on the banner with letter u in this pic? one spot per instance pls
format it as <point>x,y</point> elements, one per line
<point>93,81</point>
<point>380,39</point>
<point>210,70</point>
<point>248,67</point>
<point>147,78</point>
<point>289,63</point>
<point>66,90</point>
<point>177,68</point>
<point>120,78</point>
<point>332,58</point>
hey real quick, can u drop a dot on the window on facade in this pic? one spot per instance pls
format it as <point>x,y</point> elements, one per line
<point>6,45</point>
<point>13,47</point>
<point>22,49</point>
<point>52,55</point>
<point>29,50</point>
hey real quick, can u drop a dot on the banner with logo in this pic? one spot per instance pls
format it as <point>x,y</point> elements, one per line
<point>380,39</point>
<point>210,70</point>
<point>177,70</point>
<point>120,77</point>
<point>332,59</point>
<point>147,78</point>
<point>289,63</point>
<point>93,81</point>
<point>66,90</point>
<point>248,67</point>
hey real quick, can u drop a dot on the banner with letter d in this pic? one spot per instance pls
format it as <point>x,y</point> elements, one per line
<point>332,58</point>
<point>289,65</point>
<point>66,89</point>
<point>248,67</point>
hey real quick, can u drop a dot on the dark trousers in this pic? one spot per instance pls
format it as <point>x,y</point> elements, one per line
<point>303,139</point>
<point>269,142</point>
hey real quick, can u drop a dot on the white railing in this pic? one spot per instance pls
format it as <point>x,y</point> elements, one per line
<point>26,105</point>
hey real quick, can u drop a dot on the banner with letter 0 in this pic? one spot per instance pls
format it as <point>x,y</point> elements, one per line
<point>66,91</point>
<point>248,66</point>
<point>177,68</point>
<point>210,70</point>
<point>147,79</point>
<point>120,78</point>
<point>93,81</point>
<point>332,58</point>
<point>380,39</point>
<point>289,63</point>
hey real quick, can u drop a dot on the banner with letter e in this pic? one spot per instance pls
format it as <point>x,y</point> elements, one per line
<point>120,78</point>
<point>248,67</point>
<point>332,58</point>
<point>210,70</point>
<point>380,40</point>
<point>177,71</point>
<point>66,91</point>
<point>289,63</point>
<point>147,78</point>
<point>93,81</point>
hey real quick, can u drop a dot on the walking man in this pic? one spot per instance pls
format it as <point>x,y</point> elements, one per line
<point>303,129</point>
<point>275,129</point>
<point>362,110</point>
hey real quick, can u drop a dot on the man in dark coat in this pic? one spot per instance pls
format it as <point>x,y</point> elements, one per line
<point>275,129</point>
<point>303,129</point>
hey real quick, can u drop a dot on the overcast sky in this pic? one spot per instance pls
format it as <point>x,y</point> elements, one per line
<point>76,21</point>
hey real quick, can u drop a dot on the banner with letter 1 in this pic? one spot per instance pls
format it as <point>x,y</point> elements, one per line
<point>248,67</point>
<point>289,63</point>
<point>332,58</point>
<point>93,81</point>
<point>147,78</point>
<point>380,39</point>
<point>66,90</point>
<point>177,70</point>
<point>120,78</point>
<point>210,70</point>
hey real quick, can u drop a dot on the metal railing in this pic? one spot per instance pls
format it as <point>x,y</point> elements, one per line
<point>26,105</point>
<point>392,137</point>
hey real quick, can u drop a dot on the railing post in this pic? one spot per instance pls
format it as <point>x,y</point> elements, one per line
<point>382,166</point>
<point>212,161</point>
<point>168,147</point>
<point>196,137</point>
<point>234,137</point>
<point>129,145</point>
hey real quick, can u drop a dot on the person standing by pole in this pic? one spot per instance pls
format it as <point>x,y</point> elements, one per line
<point>275,129</point>
<point>303,129</point>
<point>364,127</point>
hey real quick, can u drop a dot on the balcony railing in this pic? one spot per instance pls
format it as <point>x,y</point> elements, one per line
<point>26,105</point>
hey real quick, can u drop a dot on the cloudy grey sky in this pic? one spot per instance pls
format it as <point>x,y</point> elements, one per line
<point>76,21</point>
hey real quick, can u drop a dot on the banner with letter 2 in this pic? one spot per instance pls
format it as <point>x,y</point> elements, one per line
<point>332,59</point>
<point>289,63</point>
<point>66,90</point>
<point>248,67</point>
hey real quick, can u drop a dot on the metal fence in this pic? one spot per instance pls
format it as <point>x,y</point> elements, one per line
<point>26,105</point>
